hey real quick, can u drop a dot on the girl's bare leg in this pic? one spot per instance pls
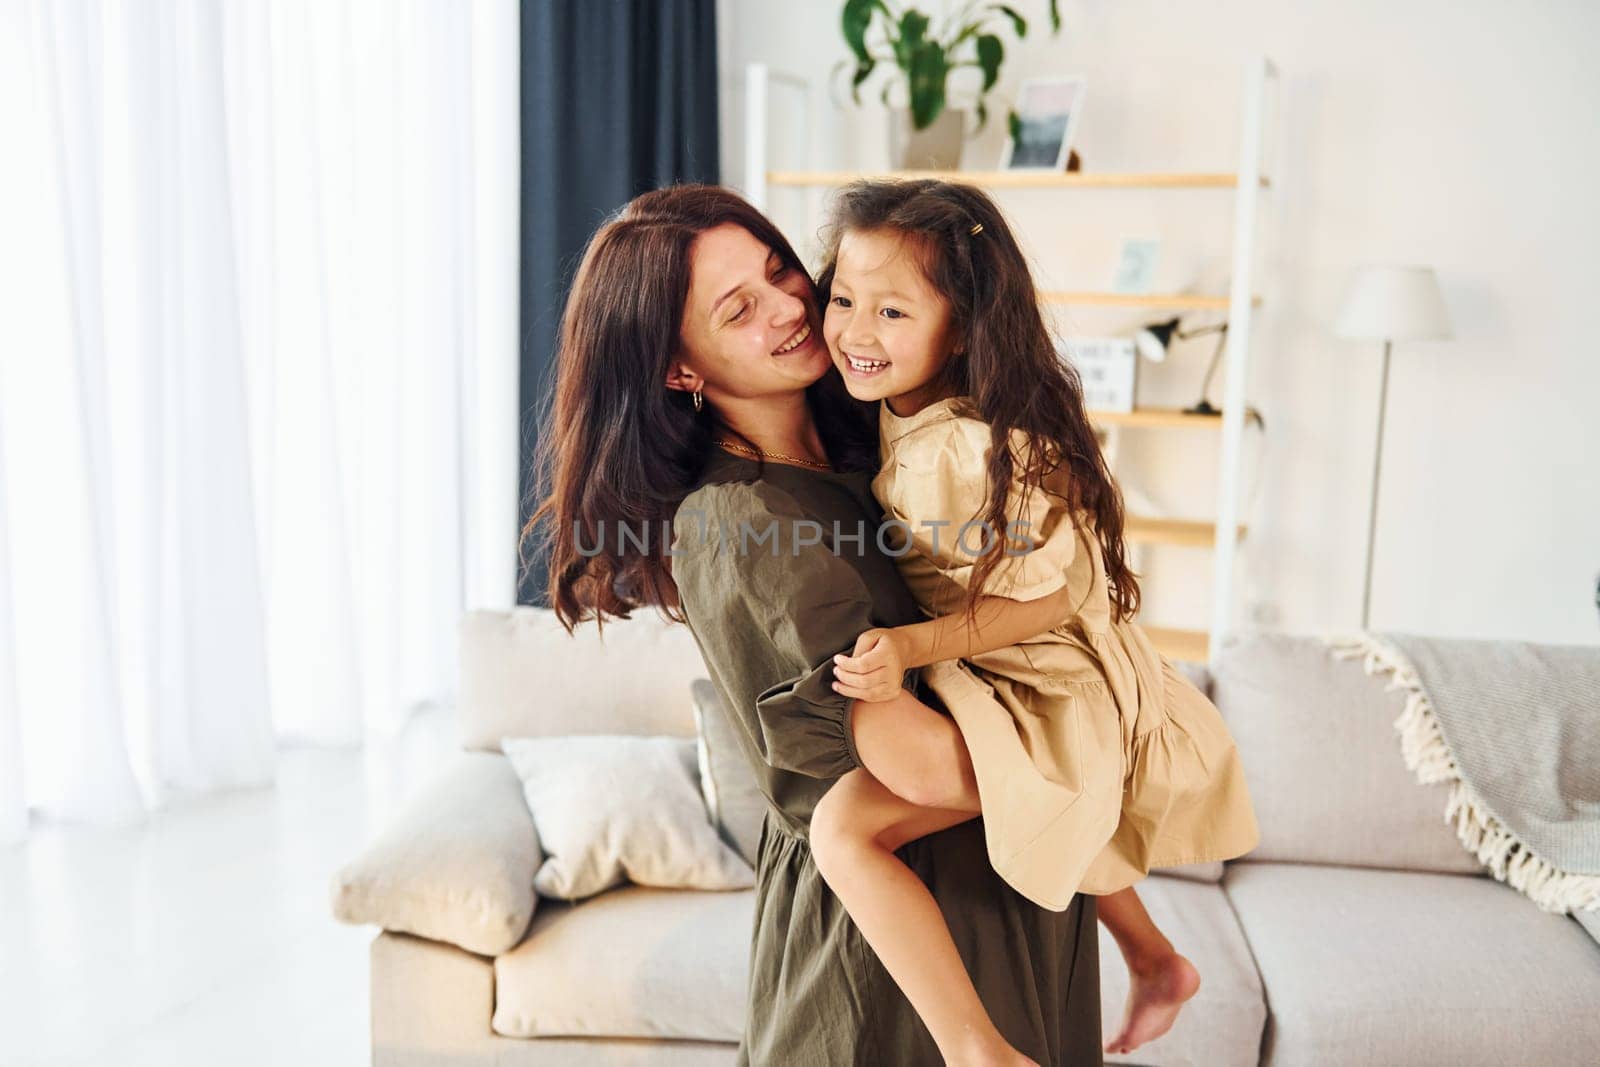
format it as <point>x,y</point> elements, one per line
<point>1159,980</point>
<point>855,830</point>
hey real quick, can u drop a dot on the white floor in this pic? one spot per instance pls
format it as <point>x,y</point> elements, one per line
<point>203,936</point>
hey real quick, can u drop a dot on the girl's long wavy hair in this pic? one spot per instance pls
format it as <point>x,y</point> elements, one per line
<point>618,450</point>
<point>1005,359</point>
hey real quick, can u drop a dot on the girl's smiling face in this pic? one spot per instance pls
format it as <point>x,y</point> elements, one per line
<point>887,329</point>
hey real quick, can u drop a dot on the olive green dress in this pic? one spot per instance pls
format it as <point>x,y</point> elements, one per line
<point>774,581</point>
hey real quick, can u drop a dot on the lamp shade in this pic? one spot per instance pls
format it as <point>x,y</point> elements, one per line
<point>1388,303</point>
<point>1152,341</point>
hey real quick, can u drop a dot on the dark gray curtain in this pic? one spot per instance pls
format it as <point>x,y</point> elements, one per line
<point>618,97</point>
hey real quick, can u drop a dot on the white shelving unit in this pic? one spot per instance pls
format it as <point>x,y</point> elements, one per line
<point>1241,302</point>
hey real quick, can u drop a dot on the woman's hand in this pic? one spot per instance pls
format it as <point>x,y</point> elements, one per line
<point>875,669</point>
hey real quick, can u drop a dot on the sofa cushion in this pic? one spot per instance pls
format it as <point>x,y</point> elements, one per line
<point>611,808</point>
<point>429,1001</point>
<point>523,675</point>
<point>1589,919</point>
<point>456,864</point>
<point>1223,1024</point>
<point>1366,966</point>
<point>1322,760</point>
<point>1209,871</point>
<point>733,798</point>
<point>632,962</point>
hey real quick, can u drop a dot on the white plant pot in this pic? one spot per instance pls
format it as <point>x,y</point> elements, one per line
<point>936,148</point>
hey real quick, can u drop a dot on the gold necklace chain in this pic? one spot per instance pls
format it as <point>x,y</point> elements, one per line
<point>747,450</point>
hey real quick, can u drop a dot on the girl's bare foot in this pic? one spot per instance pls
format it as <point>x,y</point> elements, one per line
<point>1156,992</point>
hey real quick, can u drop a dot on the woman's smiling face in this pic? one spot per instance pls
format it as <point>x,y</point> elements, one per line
<point>887,329</point>
<point>750,325</point>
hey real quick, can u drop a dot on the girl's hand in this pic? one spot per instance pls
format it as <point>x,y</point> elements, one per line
<point>875,669</point>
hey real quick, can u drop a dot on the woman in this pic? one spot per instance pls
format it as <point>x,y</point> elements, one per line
<point>694,395</point>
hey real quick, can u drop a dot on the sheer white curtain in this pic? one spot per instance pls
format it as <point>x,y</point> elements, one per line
<point>258,383</point>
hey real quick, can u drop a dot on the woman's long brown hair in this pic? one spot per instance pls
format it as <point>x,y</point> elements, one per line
<point>1007,364</point>
<point>618,450</point>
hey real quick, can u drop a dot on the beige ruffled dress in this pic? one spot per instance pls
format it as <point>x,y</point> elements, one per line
<point>1097,760</point>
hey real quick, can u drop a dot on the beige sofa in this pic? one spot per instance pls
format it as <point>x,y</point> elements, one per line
<point>1358,932</point>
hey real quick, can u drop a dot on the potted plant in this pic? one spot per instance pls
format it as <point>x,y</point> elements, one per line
<point>928,134</point>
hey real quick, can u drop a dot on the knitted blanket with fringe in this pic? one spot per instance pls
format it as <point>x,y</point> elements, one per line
<point>1515,729</point>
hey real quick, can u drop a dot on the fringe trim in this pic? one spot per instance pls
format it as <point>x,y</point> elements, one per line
<point>1429,758</point>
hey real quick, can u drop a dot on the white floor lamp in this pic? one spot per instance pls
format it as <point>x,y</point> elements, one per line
<point>1388,304</point>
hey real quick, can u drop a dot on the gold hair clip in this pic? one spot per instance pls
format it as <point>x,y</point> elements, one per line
<point>976,229</point>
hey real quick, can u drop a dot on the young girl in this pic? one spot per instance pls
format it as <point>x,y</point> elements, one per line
<point>1093,759</point>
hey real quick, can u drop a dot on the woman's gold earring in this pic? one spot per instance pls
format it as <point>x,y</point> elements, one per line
<point>697,401</point>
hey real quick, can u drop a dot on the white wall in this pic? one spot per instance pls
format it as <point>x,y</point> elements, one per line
<point>1460,135</point>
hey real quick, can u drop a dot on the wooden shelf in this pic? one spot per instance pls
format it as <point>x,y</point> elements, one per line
<point>1017,179</point>
<point>1193,645</point>
<point>1153,417</point>
<point>1238,303</point>
<point>1164,418</point>
<point>1181,301</point>
<point>1189,533</point>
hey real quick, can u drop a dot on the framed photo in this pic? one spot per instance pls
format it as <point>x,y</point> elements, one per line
<point>1047,113</point>
<point>1108,368</point>
<point>1136,266</point>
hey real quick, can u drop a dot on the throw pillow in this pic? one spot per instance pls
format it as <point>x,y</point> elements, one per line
<point>456,864</point>
<point>735,802</point>
<point>614,808</point>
